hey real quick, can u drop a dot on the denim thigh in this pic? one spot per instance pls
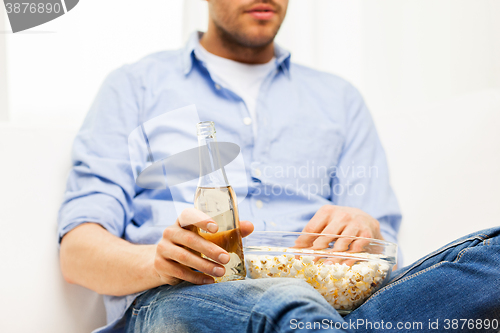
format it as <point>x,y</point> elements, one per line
<point>262,305</point>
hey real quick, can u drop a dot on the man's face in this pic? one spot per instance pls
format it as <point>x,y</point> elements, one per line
<point>249,23</point>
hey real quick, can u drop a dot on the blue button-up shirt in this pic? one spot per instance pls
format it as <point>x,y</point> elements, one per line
<point>316,145</point>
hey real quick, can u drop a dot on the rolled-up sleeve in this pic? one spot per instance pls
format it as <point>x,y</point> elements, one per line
<point>362,177</point>
<point>101,186</point>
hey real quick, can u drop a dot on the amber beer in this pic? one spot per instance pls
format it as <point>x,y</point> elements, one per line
<point>216,198</point>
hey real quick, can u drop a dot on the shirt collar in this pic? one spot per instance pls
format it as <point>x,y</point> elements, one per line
<point>282,55</point>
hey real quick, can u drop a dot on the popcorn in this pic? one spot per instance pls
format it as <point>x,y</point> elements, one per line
<point>324,272</point>
<point>273,270</point>
<point>344,287</point>
<point>307,259</point>
<point>298,265</point>
<point>337,274</point>
<point>310,271</point>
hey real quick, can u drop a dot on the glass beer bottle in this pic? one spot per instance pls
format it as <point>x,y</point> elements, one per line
<point>216,198</point>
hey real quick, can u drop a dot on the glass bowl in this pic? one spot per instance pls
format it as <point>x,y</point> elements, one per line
<point>344,270</point>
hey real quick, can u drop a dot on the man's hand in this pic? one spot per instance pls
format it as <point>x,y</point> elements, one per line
<point>337,220</point>
<point>177,254</point>
<point>94,258</point>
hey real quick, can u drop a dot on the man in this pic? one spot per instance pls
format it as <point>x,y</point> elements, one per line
<point>281,115</point>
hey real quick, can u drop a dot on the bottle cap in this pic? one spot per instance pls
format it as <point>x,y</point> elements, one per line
<point>205,128</point>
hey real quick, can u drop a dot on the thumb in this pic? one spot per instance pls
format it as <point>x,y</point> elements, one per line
<point>246,228</point>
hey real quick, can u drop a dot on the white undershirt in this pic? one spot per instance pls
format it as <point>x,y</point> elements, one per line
<point>242,79</point>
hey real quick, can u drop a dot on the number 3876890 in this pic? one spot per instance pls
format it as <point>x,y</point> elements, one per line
<point>33,8</point>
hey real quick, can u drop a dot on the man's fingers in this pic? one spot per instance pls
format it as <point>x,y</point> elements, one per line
<point>173,270</point>
<point>193,217</point>
<point>335,227</point>
<point>318,221</point>
<point>305,241</point>
<point>246,228</point>
<point>316,225</point>
<point>332,230</point>
<point>323,242</point>
<point>187,258</point>
<point>359,245</point>
<point>197,243</point>
<point>345,243</point>
<point>342,244</point>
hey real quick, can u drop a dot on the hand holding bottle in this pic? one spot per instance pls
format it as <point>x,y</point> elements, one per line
<point>177,252</point>
<point>216,198</point>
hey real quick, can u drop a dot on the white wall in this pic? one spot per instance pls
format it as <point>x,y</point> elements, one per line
<point>399,52</point>
<point>3,66</point>
<point>61,64</point>
<point>444,160</point>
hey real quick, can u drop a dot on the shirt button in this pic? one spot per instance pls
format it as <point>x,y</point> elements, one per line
<point>258,173</point>
<point>217,86</point>
<point>259,204</point>
<point>247,120</point>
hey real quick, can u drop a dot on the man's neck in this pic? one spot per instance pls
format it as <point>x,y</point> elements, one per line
<point>214,42</point>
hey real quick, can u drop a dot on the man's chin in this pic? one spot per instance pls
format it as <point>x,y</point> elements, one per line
<point>257,39</point>
<point>257,43</point>
<point>253,36</point>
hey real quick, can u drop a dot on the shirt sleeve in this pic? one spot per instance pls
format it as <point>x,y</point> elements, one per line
<point>361,178</point>
<point>101,186</point>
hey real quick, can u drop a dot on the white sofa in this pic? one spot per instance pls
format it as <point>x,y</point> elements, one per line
<point>35,297</point>
<point>444,162</point>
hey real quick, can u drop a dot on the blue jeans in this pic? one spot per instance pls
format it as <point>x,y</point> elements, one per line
<point>454,289</point>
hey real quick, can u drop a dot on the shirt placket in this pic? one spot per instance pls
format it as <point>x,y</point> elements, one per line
<point>261,198</point>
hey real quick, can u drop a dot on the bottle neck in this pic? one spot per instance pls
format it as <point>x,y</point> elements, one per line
<point>212,173</point>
